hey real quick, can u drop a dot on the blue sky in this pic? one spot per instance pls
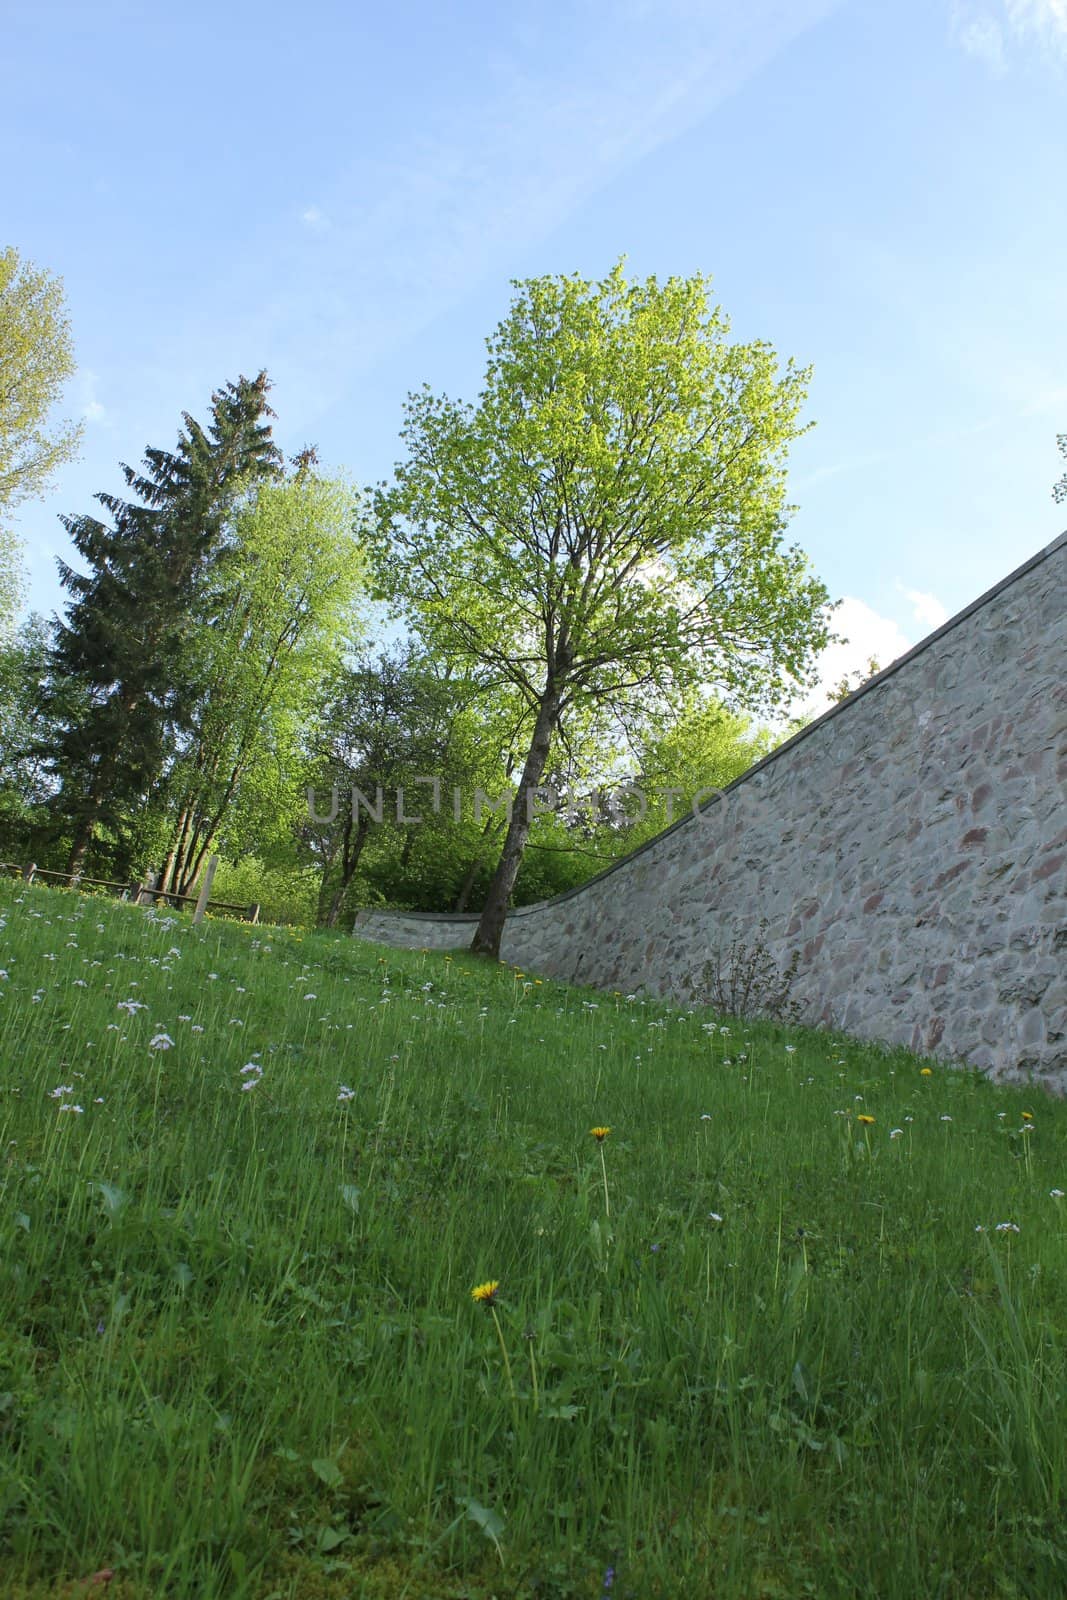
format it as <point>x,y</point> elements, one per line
<point>341,193</point>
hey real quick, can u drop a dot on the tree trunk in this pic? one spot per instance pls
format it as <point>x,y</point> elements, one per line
<point>80,848</point>
<point>468,883</point>
<point>488,828</point>
<point>349,864</point>
<point>486,941</point>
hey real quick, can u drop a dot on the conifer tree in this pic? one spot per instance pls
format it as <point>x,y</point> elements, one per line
<point>123,637</point>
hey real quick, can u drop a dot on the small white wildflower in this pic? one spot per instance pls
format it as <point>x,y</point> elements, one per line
<point>945,1117</point>
<point>715,1216</point>
<point>345,1093</point>
<point>895,1133</point>
<point>161,1041</point>
<point>705,1116</point>
<point>60,1090</point>
<point>251,1066</point>
<point>1055,1194</point>
<point>1007,1227</point>
<point>132,1006</point>
<point>311,997</point>
<point>76,1109</point>
<point>790,1049</point>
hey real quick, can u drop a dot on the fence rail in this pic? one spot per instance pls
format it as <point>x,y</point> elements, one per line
<point>141,894</point>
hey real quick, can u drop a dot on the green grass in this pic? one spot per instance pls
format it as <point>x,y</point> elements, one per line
<point>239,1354</point>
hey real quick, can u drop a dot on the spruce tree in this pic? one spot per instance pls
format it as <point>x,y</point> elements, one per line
<point>125,628</point>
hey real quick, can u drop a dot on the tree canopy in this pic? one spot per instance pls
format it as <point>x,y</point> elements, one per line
<point>605,525</point>
<point>36,359</point>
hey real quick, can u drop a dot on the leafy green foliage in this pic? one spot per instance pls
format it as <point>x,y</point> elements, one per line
<point>36,359</point>
<point>604,527</point>
<point>266,637</point>
<point>125,635</point>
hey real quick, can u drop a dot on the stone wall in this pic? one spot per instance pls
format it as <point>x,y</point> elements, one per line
<point>909,849</point>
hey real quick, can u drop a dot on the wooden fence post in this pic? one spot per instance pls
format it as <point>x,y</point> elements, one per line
<point>205,889</point>
<point>253,913</point>
<point>28,872</point>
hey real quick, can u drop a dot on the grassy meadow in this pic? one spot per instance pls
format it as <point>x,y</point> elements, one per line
<point>795,1326</point>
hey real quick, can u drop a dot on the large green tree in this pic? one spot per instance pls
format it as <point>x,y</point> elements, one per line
<point>606,523</point>
<point>36,359</point>
<point>125,637</point>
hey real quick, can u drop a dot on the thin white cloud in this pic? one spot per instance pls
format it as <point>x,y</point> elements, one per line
<point>985,30</point>
<point>406,231</point>
<point>866,636</point>
<point>1046,19</point>
<point>926,608</point>
<point>90,408</point>
<point>982,37</point>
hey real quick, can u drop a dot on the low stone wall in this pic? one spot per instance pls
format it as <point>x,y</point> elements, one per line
<point>909,850</point>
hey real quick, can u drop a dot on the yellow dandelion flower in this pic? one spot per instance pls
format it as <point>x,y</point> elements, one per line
<point>865,1119</point>
<point>926,1072</point>
<point>600,1134</point>
<point>1028,1116</point>
<point>485,1293</point>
